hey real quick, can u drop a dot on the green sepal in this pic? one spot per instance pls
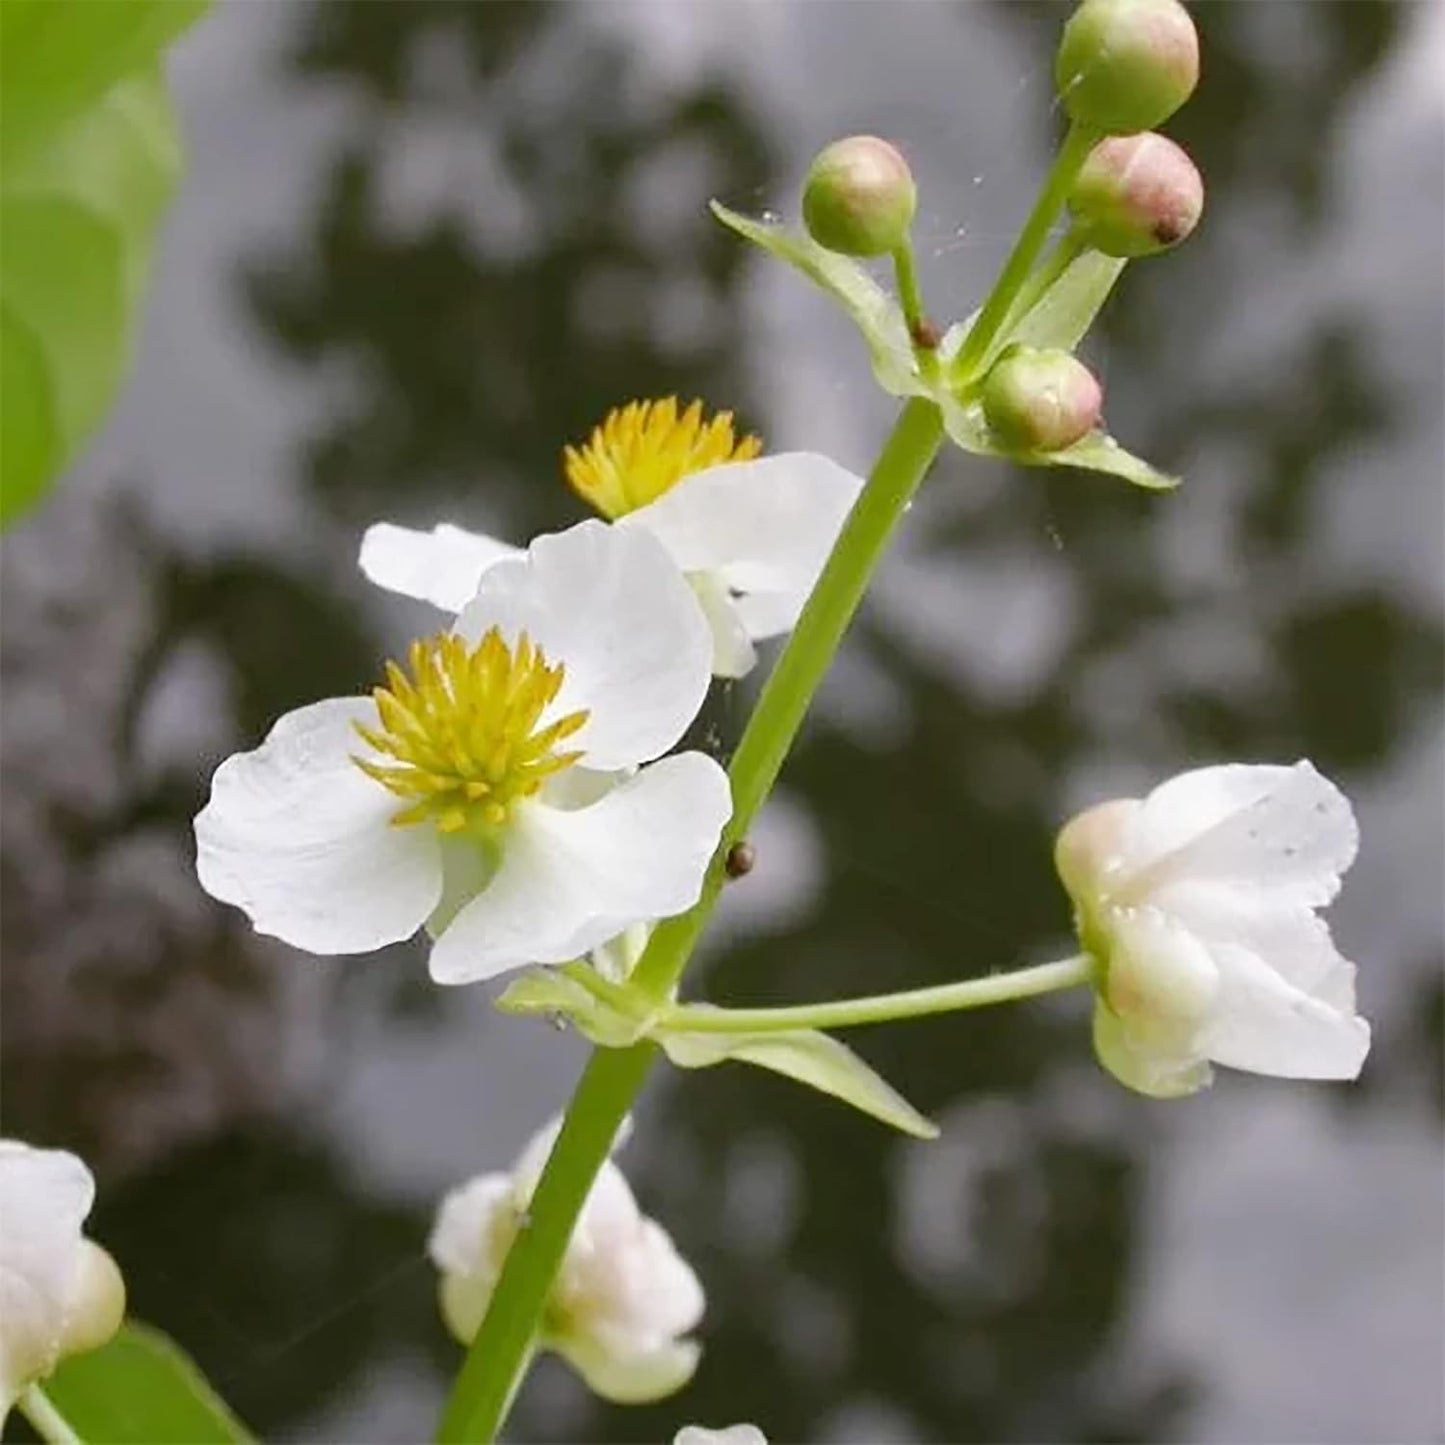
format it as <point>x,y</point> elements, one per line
<point>872,310</point>
<point>141,1388</point>
<point>804,1055</point>
<point>610,1015</point>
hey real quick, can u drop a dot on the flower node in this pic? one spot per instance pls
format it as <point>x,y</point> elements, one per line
<point>645,448</point>
<point>462,736</point>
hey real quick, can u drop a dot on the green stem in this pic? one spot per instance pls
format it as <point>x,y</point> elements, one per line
<point>905,457</point>
<point>499,1354</point>
<point>613,1078</point>
<point>47,1421</point>
<point>1072,154</point>
<point>910,296</point>
<point>883,1008</point>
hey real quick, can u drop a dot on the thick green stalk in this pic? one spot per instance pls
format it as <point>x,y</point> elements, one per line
<point>1072,154</point>
<point>884,1008</point>
<point>612,1079</point>
<point>906,456</point>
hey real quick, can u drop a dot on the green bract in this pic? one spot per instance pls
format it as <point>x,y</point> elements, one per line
<point>90,159</point>
<point>1057,320</point>
<point>619,1015</point>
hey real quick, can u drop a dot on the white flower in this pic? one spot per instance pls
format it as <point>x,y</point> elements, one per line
<point>623,1300</point>
<point>491,795</point>
<point>728,1435</point>
<point>751,535</point>
<point>60,1293</point>
<point>1198,902</point>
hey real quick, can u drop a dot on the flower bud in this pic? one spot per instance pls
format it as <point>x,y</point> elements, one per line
<point>1136,195</point>
<point>859,197</point>
<point>1041,401</point>
<point>1126,65</point>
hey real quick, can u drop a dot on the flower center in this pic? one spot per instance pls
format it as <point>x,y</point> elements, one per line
<point>645,448</point>
<point>461,737</point>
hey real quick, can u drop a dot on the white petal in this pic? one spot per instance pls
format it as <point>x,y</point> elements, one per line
<point>631,1379</point>
<point>1286,829</point>
<point>611,606</point>
<point>733,654</point>
<point>728,1435</point>
<point>1292,940</point>
<point>442,566</point>
<point>569,881</point>
<point>527,1170</point>
<point>1268,1027</point>
<point>297,836</point>
<point>461,1238</point>
<point>45,1195</point>
<point>764,526</point>
<point>95,1305</point>
<point>767,614</point>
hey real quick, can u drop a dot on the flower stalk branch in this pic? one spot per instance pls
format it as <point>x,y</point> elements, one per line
<point>885,1008</point>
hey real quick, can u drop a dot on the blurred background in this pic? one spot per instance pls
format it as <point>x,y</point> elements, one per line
<point>421,246</point>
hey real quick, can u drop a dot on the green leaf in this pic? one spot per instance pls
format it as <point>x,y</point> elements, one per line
<point>1099,452</point>
<point>140,1389</point>
<point>807,1056</point>
<point>872,310</point>
<point>1061,317</point>
<point>76,226</point>
<point>59,57</point>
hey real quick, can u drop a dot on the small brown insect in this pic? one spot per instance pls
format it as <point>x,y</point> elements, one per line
<point>740,860</point>
<point>926,334</point>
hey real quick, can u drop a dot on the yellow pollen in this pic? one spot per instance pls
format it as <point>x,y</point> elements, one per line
<point>459,739</point>
<point>645,448</point>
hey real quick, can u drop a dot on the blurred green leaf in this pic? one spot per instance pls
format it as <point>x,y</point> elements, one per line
<point>59,57</point>
<point>76,225</point>
<point>140,1389</point>
<point>810,1058</point>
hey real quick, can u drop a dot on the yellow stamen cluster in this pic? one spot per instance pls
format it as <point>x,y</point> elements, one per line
<point>645,448</point>
<point>461,734</point>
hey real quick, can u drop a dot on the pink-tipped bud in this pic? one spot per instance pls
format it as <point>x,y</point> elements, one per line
<point>859,197</point>
<point>1136,194</point>
<point>1127,65</point>
<point>1041,401</point>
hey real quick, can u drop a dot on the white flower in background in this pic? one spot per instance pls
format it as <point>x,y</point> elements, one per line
<point>494,794</point>
<point>1198,903</point>
<point>751,535</point>
<point>728,1435</point>
<point>623,1300</point>
<point>60,1293</point>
